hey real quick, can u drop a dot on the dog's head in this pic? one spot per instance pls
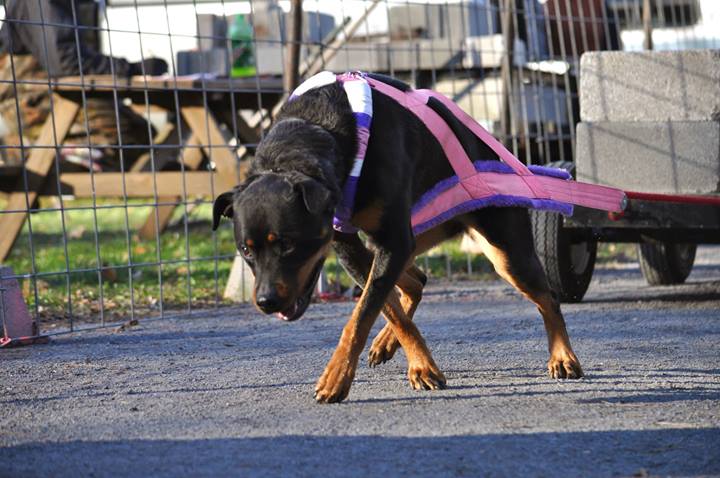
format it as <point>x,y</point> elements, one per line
<point>283,229</point>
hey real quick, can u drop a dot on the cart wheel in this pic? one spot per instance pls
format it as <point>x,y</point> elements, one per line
<point>568,265</point>
<point>664,263</point>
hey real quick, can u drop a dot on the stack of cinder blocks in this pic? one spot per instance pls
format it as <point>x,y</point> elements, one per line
<point>650,121</point>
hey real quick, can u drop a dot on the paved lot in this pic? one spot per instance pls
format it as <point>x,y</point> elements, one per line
<point>230,392</point>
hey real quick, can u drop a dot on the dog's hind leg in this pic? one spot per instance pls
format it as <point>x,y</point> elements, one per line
<point>410,285</point>
<point>506,240</point>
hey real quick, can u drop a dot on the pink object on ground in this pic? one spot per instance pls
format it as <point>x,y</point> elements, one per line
<point>18,327</point>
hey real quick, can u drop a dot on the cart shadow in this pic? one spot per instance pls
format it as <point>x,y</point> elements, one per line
<point>661,296</point>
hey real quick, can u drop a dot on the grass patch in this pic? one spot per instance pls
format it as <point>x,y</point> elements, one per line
<point>78,272</point>
<point>610,252</point>
<point>72,270</point>
<point>445,261</point>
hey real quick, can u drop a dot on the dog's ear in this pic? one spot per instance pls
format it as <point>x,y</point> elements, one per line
<point>315,195</point>
<point>223,206</point>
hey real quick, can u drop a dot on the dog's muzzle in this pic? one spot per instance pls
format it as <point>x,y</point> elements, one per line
<point>299,307</point>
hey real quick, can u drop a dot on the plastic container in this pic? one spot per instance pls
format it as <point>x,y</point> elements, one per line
<point>243,54</point>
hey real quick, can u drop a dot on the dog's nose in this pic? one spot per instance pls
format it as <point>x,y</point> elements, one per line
<point>267,303</point>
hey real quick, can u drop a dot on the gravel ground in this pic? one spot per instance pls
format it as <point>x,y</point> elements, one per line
<point>230,392</point>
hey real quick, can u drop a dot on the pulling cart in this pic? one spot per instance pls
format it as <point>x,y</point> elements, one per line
<point>667,229</point>
<point>649,127</point>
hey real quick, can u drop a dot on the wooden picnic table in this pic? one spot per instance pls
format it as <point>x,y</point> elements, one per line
<point>162,91</point>
<point>203,103</point>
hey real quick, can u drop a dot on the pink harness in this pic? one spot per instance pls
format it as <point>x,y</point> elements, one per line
<point>490,183</point>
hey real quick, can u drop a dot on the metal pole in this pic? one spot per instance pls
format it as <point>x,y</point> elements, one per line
<point>508,32</point>
<point>3,329</point>
<point>647,25</point>
<point>292,59</point>
<point>316,63</point>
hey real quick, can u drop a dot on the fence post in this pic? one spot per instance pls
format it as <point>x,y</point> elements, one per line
<point>647,25</point>
<point>292,60</point>
<point>506,73</point>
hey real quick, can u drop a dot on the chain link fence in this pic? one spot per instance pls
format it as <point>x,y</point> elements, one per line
<point>120,121</point>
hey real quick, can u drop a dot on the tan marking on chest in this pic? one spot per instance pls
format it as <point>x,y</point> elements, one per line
<point>370,218</point>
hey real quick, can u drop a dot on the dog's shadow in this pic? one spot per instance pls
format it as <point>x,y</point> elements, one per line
<point>590,389</point>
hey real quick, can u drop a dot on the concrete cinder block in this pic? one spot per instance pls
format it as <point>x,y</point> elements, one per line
<point>673,157</point>
<point>396,55</point>
<point>448,20</point>
<point>650,86</point>
<point>215,61</point>
<point>211,31</point>
<point>359,56</point>
<point>421,54</point>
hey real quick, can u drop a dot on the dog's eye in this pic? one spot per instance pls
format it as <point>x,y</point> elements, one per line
<point>246,251</point>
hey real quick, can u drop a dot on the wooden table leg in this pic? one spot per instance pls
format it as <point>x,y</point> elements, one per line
<point>158,220</point>
<point>205,127</point>
<point>144,159</point>
<point>225,163</point>
<point>38,166</point>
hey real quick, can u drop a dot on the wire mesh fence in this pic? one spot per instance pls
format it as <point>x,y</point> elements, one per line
<point>122,120</point>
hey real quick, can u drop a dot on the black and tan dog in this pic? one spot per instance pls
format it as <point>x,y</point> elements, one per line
<point>283,215</point>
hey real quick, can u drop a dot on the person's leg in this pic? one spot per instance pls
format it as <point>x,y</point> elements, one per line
<point>107,131</point>
<point>19,94</point>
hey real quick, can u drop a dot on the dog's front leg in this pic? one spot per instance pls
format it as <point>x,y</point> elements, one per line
<point>387,265</point>
<point>379,282</point>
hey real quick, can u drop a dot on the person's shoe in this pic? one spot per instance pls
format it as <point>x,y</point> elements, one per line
<point>149,67</point>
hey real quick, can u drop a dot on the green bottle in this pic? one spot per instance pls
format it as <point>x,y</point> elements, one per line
<point>241,39</point>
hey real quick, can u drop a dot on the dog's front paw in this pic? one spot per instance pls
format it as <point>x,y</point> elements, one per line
<point>426,376</point>
<point>383,347</point>
<point>334,384</point>
<point>564,364</point>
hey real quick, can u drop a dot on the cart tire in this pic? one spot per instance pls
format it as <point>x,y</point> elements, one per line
<point>664,263</point>
<point>568,265</point>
